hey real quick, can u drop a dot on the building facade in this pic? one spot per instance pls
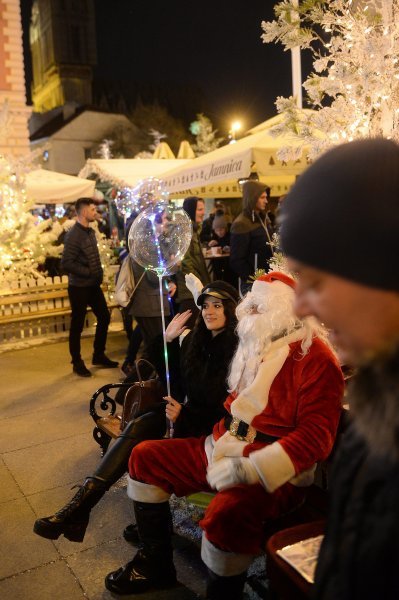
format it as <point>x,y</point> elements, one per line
<point>14,114</point>
<point>63,48</point>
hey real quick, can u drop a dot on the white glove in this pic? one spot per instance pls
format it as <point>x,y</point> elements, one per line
<point>194,285</point>
<point>228,472</point>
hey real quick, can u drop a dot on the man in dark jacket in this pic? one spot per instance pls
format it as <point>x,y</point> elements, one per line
<point>81,260</point>
<point>327,222</point>
<point>250,234</point>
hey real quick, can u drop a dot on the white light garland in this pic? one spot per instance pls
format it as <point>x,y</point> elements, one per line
<point>354,86</point>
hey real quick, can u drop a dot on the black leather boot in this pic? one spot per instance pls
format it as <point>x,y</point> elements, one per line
<point>131,533</point>
<point>73,518</point>
<point>152,567</point>
<point>225,587</point>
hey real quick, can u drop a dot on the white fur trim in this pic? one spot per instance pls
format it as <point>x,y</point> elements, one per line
<point>273,465</point>
<point>225,564</point>
<point>208,447</point>
<point>145,492</point>
<point>304,479</point>
<point>253,400</point>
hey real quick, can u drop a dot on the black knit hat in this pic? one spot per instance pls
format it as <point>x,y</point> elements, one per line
<point>190,206</point>
<point>218,289</point>
<point>342,215</point>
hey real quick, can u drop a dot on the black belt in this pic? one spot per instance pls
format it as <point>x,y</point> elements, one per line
<point>243,431</point>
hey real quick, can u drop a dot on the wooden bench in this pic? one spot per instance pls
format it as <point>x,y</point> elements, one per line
<point>107,414</point>
<point>36,307</point>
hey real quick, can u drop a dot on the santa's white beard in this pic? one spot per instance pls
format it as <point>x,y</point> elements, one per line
<point>256,332</point>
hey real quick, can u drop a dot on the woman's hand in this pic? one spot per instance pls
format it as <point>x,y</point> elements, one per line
<point>213,243</point>
<point>177,325</point>
<point>173,408</point>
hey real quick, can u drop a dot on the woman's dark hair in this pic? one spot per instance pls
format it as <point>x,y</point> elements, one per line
<point>197,350</point>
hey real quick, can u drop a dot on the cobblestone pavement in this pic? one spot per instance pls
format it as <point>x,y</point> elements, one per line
<point>46,447</point>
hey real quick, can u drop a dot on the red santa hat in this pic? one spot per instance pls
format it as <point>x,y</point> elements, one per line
<point>273,284</point>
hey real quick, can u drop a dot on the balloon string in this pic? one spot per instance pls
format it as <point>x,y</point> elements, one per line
<point>165,348</point>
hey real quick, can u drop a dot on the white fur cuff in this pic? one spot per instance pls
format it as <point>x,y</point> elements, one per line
<point>225,564</point>
<point>145,492</point>
<point>273,465</point>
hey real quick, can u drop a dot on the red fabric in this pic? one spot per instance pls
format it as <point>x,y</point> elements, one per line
<point>304,406</point>
<point>235,517</point>
<point>303,409</point>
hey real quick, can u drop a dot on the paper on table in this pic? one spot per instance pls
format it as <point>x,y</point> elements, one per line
<point>302,556</point>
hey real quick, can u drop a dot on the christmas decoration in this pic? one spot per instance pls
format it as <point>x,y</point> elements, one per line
<point>355,80</point>
<point>104,150</point>
<point>205,135</point>
<point>159,238</point>
<point>146,192</point>
<point>24,242</point>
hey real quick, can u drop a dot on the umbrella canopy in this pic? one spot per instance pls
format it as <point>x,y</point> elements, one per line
<point>163,151</point>
<point>185,150</point>
<point>127,172</point>
<point>230,163</point>
<point>50,187</point>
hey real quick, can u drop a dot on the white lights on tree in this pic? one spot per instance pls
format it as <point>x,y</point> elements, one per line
<point>354,86</point>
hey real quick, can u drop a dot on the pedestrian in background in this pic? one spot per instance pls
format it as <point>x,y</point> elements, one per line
<point>81,261</point>
<point>251,234</point>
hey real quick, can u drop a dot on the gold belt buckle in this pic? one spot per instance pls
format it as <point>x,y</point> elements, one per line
<point>233,429</point>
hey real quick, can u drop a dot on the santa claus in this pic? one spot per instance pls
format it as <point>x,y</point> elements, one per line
<point>282,416</point>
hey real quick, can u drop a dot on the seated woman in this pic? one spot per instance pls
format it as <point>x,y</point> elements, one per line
<point>206,353</point>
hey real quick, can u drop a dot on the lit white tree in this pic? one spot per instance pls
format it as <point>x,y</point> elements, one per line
<point>354,86</point>
<point>205,135</point>
<point>24,243</point>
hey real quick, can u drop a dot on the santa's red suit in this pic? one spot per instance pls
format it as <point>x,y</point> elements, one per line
<point>295,398</point>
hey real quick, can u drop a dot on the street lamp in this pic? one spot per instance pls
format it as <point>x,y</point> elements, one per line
<point>235,126</point>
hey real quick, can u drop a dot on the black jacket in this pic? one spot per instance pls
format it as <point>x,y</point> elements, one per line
<point>205,385</point>
<point>80,258</point>
<point>248,238</point>
<point>359,558</point>
<point>146,299</point>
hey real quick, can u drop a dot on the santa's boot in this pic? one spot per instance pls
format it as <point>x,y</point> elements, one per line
<point>225,587</point>
<point>72,519</point>
<point>152,567</point>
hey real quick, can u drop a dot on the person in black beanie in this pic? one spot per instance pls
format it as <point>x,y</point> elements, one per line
<point>344,247</point>
<point>193,261</point>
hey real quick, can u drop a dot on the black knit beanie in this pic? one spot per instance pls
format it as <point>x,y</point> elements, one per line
<point>190,206</point>
<point>342,215</point>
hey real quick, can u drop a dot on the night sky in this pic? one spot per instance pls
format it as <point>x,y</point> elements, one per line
<point>210,45</point>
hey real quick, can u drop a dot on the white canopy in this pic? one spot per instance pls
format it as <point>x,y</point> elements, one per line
<point>228,164</point>
<point>127,172</point>
<point>49,187</point>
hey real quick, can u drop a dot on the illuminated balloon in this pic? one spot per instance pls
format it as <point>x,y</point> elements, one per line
<point>125,201</point>
<point>159,237</point>
<point>146,193</point>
